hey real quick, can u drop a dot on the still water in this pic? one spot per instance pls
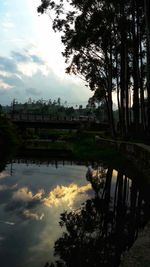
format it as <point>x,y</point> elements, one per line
<point>55,208</point>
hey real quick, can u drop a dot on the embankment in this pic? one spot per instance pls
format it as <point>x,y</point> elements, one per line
<point>137,153</point>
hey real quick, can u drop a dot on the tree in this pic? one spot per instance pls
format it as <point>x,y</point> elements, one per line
<point>1,109</point>
<point>105,226</point>
<point>147,20</point>
<point>105,42</point>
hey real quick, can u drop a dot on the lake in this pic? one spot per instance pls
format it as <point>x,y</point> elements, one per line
<point>54,207</point>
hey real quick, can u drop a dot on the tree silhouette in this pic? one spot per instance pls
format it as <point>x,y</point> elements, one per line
<point>107,43</point>
<point>105,226</point>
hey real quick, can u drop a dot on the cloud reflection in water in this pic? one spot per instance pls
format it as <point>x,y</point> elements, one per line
<point>6,187</point>
<point>65,194</point>
<point>26,204</point>
<point>3,175</point>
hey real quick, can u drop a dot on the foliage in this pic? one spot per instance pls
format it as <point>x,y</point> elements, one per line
<point>8,134</point>
<point>107,43</point>
<point>57,109</point>
<point>104,226</point>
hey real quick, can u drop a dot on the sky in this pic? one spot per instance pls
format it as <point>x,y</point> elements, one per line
<point>31,63</point>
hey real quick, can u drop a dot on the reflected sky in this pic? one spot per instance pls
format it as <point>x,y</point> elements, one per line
<point>31,200</point>
<point>104,209</point>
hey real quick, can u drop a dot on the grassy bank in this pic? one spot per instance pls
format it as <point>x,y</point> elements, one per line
<point>83,146</point>
<point>80,145</point>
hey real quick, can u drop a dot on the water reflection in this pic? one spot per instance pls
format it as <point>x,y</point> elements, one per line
<point>31,199</point>
<point>105,226</point>
<point>24,202</point>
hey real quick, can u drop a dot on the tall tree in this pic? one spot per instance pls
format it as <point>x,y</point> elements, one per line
<point>147,20</point>
<point>105,44</point>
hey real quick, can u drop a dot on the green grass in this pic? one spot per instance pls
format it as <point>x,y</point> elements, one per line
<point>81,144</point>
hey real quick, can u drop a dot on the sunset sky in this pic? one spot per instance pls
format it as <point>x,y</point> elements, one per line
<point>31,64</point>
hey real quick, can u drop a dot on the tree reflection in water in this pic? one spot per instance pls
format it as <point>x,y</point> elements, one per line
<point>105,226</point>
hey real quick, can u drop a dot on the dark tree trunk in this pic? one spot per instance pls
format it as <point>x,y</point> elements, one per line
<point>147,20</point>
<point>123,68</point>
<point>135,70</point>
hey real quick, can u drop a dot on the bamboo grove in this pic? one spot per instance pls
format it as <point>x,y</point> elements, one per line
<point>107,43</point>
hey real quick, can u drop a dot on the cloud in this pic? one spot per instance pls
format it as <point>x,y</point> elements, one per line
<point>7,64</point>
<point>3,187</point>
<point>8,25</point>
<point>28,73</point>
<point>4,174</point>
<point>5,73</point>
<point>33,92</point>
<point>27,214</point>
<point>27,56</point>
<point>22,63</point>
<point>14,70</point>
<point>24,195</point>
<point>20,57</point>
<point>6,22</point>
<point>32,51</point>
<point>29,64</point>
<point>6,187</point>
<point>14,80</point>
<point>67,194</point>
<point>7,222</point>
<point>26,204</point>
<point>31,68</point>
<point>5,86</point>
<point>37,59</point>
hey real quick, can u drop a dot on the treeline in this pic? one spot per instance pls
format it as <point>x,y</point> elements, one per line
<point>108,44</point>
<point>57,108</point>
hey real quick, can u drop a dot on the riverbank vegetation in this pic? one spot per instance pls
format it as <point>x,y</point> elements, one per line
<point>78,145</point>
<point>9,138</point>
<point>9,141</point>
